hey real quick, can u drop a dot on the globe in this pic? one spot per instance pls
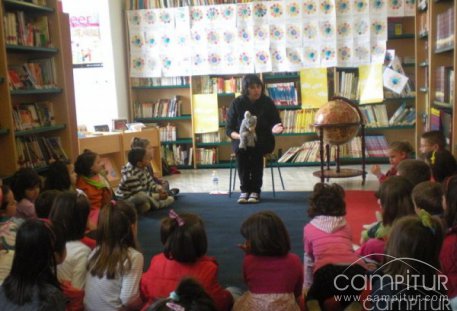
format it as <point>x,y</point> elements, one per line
<point>339,120</point>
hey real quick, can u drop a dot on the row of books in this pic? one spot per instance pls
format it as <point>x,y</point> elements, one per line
<point>283,94</point>
<point>167,133</point>
<point>298,121</point>
<point>223,110</point>
<point>35,74</point>
<point>177,154</point>
<point>445,29</point>
<point>347,85</point>
<point>213,137</point>
<point>152,4</point>
<point>376,115</point>
<point>33,115</point>
<point>26,29</point>
<point>168,81</point>
<point>36,151</point>
<point>444,84</point>
<point>164,107</point>
<point>376,146</point>
<point>210,85</point>
<point>206,156</point>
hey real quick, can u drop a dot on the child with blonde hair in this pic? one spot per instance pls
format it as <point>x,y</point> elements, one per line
<point>398,151</point>
<point>274,276</point>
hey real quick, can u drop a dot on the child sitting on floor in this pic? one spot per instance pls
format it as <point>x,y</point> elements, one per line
<point>428,196</point>
<point>274,276</point>
<point>398,151</point>
<point>432,141</point>
<point>7,204</point>
<point>137,185</point>
<point>442,164</point>
<point>88,167</point>
<point>328,246</point>
<point>415,170</point>
<point>184,254</point>
<point>26,187</point>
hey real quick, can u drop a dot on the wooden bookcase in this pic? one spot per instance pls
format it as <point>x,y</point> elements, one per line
<point>113,149</point>
<point>433,54</point>
<point>14,53</point>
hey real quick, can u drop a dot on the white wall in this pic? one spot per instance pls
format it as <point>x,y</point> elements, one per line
<point>101,92</point>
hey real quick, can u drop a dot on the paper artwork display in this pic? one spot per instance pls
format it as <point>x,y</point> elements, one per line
<point>261,36</point>
<point>394,81</point>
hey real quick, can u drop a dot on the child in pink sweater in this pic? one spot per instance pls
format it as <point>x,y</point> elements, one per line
<point>328,247</point>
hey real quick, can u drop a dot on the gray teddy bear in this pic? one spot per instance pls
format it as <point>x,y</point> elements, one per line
<point>248,136</point>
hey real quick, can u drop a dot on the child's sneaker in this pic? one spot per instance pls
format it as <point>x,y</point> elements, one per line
<point>254,198</point>
<point>243,198</point>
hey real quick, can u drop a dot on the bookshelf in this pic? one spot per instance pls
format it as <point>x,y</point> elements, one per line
<point>435,51</point>
<point>44,58</point>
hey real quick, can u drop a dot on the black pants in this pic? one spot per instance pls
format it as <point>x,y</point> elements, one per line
<point>250,169</point>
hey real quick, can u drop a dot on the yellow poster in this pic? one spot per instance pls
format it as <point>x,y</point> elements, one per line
<point>370,84</point>
<point>313,87</point>
<point>205,113</point>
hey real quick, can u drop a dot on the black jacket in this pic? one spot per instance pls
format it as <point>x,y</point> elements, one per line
<point>267,117</point>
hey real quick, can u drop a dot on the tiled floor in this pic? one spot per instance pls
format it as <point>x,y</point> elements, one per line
<point>295,179</point>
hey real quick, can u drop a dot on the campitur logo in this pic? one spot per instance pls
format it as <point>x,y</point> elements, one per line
<point>409,290</point>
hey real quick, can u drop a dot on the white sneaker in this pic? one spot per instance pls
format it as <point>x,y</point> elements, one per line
<point>254,198</point>
<point>243,198</point>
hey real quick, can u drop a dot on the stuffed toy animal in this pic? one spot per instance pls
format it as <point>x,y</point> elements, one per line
<point>248,136</point>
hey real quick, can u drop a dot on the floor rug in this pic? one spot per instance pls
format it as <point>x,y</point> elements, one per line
<point>223,218</point>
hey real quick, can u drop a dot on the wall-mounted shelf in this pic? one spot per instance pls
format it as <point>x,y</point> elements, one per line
<point>158,87</point>
<point>29,49</point>
<point>177,142</point>
<point>55,90</point>
<point>26,6</point>
<point>38,130</point>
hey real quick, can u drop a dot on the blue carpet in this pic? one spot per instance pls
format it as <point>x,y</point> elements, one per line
<point>223,217</point>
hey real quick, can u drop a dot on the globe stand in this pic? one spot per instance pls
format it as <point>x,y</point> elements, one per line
<point>326,172</point>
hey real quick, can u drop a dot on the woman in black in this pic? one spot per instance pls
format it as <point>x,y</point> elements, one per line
<point>250,160</point>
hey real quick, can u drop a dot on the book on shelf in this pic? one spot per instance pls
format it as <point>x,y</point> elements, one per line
<point>283,94</point>
<point>445,29</point>
<point>27,29</point>
<point>443,84</point>
<point>45,112</point>
<point>36,151</point>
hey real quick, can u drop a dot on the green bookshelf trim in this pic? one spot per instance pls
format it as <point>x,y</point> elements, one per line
<point>185,167</point>
<point>442,105</point>
<point>222,143</point>
<point>222,164</point>
<point>289,107</point>
<point>149,120</point>
<point>408,64</point>
<point>393,127</point>
<point>395,99</point>
<point>3,131</point>
<point>226,94</point>
<point>177,142</point>
<point>400,37</point>
<point>222,124</point>
<point>423,34</point>
<point>36,91</point>
<point>149,87</point>
<point>297,134</point>
<point>368,160</point>
<point>444,50</point>
<point>26,6</point>
<point>280,76</point>
<point>28,49</point>
<point>38,130</point>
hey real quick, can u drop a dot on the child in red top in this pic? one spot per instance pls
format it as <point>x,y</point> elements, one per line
<point>88,167</point>
<point>185,245</point>
<point>398,151</point>
<point>274,276</point>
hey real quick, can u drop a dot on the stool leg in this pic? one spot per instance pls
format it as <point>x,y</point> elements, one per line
<point>273,180</point>
<point>280,176</point>
<point>234,177</point>
<point>230,179</point>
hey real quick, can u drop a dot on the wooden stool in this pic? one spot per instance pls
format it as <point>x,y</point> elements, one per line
<point>269,160</point>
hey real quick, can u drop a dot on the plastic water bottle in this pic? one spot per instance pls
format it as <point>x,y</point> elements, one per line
<point>215,181</point>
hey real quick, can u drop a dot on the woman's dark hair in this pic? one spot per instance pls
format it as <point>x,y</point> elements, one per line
<point>327,200</point>
<point>34,263</point>
<point>411,238</point>
<point>136,155</point>
<point>4,203</point>
<point>442,164</point>
<point>266,234</point>
<point>114,238</point>
<point>57,176</point>
<point>138,142</point>
<point>44,202</point>
<point>24,179</point>
<point>84,163</point>
<point>190,295</point>
<point>249,80</point>
<point>186,242</point>
<point>395,197</point>
<point>71,210</point>
<point>428,196</point>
